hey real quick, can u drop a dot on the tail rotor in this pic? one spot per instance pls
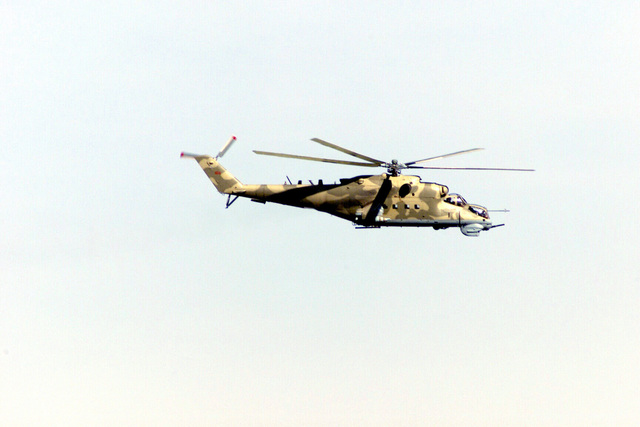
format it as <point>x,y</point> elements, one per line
<point>226,146</point>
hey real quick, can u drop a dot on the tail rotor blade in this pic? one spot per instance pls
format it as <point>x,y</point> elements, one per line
<point>226,146</point>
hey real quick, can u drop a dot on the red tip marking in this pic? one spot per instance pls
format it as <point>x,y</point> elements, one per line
<point>182,154</point>
<point>233,136</point>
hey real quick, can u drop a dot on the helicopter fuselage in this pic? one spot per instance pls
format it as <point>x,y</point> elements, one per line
<point>370,201</point>
<point>376,200</point>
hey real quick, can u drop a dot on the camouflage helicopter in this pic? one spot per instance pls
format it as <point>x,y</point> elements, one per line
<point>369,201</point>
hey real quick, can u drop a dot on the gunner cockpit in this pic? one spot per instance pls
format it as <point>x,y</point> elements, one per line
<point>479,210</point>
<point>457,200</point>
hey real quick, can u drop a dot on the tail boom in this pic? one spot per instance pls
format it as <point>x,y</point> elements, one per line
<point>221,178</point>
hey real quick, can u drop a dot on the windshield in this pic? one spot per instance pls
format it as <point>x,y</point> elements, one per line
<point>479,210</point>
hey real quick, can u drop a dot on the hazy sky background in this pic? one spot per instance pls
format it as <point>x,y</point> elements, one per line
<point>130,296</point>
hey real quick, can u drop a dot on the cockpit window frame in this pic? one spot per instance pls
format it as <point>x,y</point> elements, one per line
<point>479,210</point>
<point>455,200</point>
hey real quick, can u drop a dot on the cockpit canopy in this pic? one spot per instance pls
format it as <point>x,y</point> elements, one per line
<point>479,210</point>
<point>455,199</point>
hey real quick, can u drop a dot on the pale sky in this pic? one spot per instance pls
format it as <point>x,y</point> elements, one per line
<point>130,296</point>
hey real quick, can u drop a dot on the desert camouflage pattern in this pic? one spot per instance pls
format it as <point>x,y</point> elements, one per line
<point>370,201</point>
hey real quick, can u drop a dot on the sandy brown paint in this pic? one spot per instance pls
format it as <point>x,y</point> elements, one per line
<point>368,200</point>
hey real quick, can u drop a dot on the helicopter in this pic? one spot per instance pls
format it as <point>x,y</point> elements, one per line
<point>369,201</point>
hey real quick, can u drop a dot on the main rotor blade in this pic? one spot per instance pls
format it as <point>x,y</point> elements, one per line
<point>349,152</point>
<point>315,159</point>
<point>443,156</point>
<point>471,169</point>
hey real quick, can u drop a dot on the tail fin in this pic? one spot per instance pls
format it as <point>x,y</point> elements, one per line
<point>221,178</point>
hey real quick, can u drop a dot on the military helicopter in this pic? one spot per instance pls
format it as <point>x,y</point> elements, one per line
<point>369,201</point>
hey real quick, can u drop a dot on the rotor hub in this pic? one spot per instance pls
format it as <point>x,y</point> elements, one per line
<point>394,167</point>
